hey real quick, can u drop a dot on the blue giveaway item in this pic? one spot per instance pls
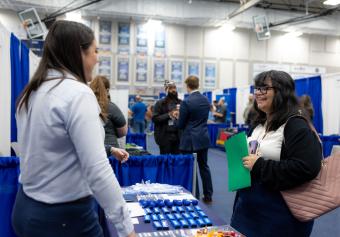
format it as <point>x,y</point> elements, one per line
<point>175,224</point>
<point>200,222</point>
<point>184,223</point>
<point>192,223</point>
<point>207,221</point>
<point>154,217</point>
<point>157,225</point>
<point>189,209</point>
<point>165,225</point>
<point>178,216</point>
<point>165,210</point>
<point>147,219</point>
<point>186,215</point>
<point>161,217</point>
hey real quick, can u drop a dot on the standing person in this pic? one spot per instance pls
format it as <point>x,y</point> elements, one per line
<point>221,111</point>
<point>63,162</point>
<point>138,111</point>
<point>306,105</point>
<point>166,133</point>
<point>288,155</point>
<point>192,119</point>
<point>113,118</point>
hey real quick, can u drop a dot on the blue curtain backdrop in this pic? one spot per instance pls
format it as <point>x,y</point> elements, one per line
<point>9,173</point>
<point>167,169</point>
<point>137,138</point>
<point>230,97</point>
<point>208,94</point>
<point>312,86</point>
<point>19,77</point>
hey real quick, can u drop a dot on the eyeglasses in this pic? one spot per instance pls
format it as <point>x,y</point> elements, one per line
<point>263,89</point>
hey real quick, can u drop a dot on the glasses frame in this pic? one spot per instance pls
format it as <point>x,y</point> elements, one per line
<point>263,90</point>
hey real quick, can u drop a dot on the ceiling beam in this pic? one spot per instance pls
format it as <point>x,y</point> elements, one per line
<point>243,8</point>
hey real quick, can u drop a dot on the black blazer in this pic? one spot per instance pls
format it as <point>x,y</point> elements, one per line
<point>193,117</point>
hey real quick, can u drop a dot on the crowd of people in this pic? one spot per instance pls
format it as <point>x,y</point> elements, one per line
<point>67,129</point>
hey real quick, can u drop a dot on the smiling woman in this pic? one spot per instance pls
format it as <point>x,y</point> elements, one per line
<point>287,155</point>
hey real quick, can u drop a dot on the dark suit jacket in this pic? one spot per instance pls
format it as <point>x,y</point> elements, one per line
<point>193,118</point>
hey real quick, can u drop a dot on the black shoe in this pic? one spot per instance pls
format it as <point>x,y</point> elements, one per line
<point>207,200</point>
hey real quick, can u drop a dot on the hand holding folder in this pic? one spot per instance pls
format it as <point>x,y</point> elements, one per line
<point>236,148</point>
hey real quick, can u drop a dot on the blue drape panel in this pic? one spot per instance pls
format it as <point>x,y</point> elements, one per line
<point>312,86</point>
<point>167,169</point>
<point>19,77</point>
<point>230,95</point>
<point>9,174</point>
<point>213,132</point>
<point>137,138</point>
<point>15,82</point>
<point>208,94</point>
<point>328,142</point>
<point>252,89</point>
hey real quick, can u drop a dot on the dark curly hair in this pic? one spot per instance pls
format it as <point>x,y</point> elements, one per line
<point>285,102</point>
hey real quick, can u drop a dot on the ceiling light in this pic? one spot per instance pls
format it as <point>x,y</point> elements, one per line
<point>227,27</point>
<point>293,34</point>
<point>331,2</point>
<point>74,16</point>
<point>153,23</point>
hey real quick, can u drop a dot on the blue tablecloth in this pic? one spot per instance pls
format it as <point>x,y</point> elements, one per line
<point>137,138</point>
<point>328,142</point>
<point>213,132</point>
<point>169,169</point>
<point>9,174</point>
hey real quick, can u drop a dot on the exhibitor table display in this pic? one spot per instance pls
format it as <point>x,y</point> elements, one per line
<point>171,211</point>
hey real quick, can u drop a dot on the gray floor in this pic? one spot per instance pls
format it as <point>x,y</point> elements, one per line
<point>327,225</point>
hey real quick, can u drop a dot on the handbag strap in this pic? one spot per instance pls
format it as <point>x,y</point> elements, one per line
<point>311,126</point>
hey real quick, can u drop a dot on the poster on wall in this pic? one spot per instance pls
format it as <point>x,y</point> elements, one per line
<point>105,66</point>
<point>209,75</point>
<point>141,70</point>
<point>105,30</point>
<point>193,68</point>
<point>123,69</point>
<point>159,71</point>
<point>141,40</point>
<point>123,38</point>
<point>159,50</point>
<point>177,72</point>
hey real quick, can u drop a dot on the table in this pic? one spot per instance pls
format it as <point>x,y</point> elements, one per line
<point>109,230</point>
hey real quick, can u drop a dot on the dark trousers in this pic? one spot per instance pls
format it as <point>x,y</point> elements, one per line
<point>202,160</point>
<point>31,218</point>
<point>169,147</point>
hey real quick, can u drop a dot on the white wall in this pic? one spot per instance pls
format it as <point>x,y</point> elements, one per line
<point>11,21</point>
<point>5,92</point>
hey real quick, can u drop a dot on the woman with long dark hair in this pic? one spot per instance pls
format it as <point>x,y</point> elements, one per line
<point>113,118</point>
<point>288,154</point>
<point>63,161</point>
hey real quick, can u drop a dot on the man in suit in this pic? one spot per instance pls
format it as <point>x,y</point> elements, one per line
<point>193,116</point>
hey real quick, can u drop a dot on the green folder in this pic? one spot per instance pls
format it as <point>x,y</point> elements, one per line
<point>236,148</point>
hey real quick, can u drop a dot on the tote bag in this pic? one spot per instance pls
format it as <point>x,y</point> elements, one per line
<point>318,196</point>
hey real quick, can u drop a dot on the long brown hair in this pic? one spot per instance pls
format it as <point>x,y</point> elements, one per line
<point>100,85</point>
<point>63,46</point>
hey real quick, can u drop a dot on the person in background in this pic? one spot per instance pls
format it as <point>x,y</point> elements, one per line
<point>63,163</point>
<point>166,133</point>
<point>307,106</point>
<point>249,113</point>
<point>148,119</point>
<point>193,116</point>
<point>138,111</point>
<point>288,154</point>
<point>221,111</point>
<point>113,118</point>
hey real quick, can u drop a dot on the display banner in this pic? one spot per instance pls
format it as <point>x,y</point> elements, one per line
<point>209,75</point>
<point>141,40</point>
<point>105,66</point>
<point>177,72</point>
<point>123,38</point>
<point>141,70</point>
<point>122,69</point>
<point>159,71</point>
<point>159,50</point>
<point>105,34</point>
